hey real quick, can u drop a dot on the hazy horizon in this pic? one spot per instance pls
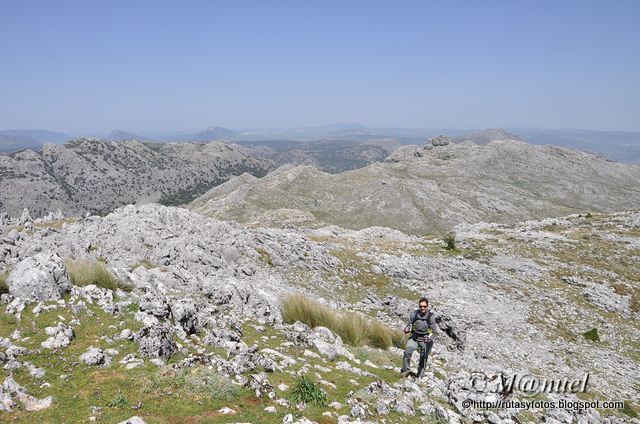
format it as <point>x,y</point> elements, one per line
<point>156,67</point>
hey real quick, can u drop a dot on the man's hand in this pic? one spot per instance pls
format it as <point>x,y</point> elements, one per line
<point>407,330</point>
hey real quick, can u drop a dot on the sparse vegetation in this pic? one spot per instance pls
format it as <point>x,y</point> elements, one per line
<point>264,256</point>
<point>629,411</point>
<point>588,215</point>
<point>198,380</point>
<point>592,335</point>
<point>355,329</point>
<point>146,263</point>
<point>449,240</point>
<point>84,272</point>
<point>307,391</point>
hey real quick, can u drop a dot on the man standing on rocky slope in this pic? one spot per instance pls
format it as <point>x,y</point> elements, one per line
<point>421,325</point>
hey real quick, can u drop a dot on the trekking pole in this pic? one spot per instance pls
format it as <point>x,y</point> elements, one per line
<point>399,346</point>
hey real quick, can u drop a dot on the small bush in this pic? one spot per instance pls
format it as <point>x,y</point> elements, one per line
<point>306,391</point>
<point>118,401</point>
<point>4,288</point>
<point>449,241</point>
<point>83,273</point>
<point>588,215</point>
<point>592,335</point>
<point>355,329</point>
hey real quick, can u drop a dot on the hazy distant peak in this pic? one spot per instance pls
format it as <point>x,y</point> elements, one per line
<point>218,132</point>
<point>487,136</point>
<point>120,135</point>
<point>10,143</point>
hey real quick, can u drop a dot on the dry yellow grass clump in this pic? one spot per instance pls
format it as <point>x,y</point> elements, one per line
<point>4,288</point>
<point>85,272</point>
<point>354,328</point>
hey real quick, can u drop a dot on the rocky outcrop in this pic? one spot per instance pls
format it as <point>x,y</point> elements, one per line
<point>155,342</point>
<point>39,277</point>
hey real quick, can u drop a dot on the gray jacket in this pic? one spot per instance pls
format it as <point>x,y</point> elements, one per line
<point>420,324</point>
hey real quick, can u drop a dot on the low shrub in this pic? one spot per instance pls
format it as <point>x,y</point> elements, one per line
<point>307,391</point>
<point>119,401</point>
<point>592,335</point>
<point>449,240</point>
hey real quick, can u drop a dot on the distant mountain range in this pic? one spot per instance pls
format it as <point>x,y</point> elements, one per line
<point>616,145</point>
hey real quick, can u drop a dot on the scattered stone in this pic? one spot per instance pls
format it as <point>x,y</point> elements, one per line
<point>95,356</point>
<point>60,336</point>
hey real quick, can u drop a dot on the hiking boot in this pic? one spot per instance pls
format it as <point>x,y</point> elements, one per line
<point>404,374</point>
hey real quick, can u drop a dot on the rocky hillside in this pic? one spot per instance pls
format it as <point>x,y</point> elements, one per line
<point>331,156</point>
<point>98,176</point>
<point>186,321</point>
<point>421,189</point>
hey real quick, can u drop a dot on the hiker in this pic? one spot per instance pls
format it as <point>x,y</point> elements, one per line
<point>421,325</point>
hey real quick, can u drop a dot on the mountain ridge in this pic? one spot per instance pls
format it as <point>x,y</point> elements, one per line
<point>433,188</point>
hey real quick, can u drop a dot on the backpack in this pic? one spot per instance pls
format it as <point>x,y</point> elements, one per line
<point>416,317</point>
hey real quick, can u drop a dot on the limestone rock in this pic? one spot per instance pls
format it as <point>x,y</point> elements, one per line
<point>39,277</point>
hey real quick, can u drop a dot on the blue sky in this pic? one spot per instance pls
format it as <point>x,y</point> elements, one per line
<point>91,66</point>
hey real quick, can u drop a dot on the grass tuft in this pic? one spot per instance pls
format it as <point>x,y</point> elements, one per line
<point>4,287</point>
<point>84,273</point>
<point>307,391</point>
<point>355,329</point>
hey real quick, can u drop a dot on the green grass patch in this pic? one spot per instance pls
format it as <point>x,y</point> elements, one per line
<point>592,335</point>
<point>199,381</point>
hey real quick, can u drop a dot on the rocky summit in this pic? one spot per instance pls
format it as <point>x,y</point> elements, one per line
<point>97,176</point>
<point>421,189</point>
<point>160,314</point>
